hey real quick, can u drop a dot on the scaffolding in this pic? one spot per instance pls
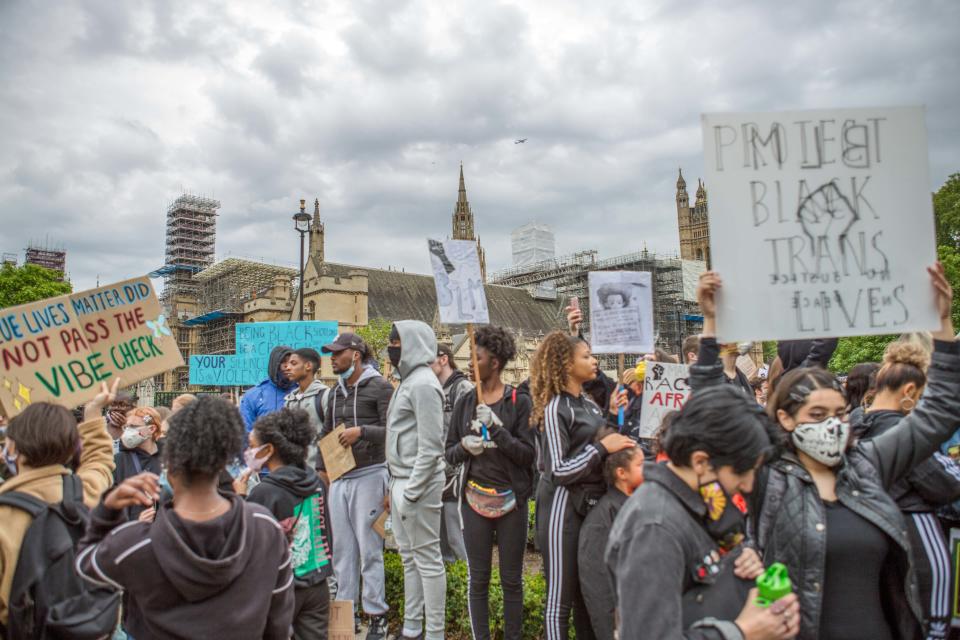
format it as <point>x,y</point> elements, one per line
<point>191,236</point>
<point>532,243</point>
<point>223,289</point>
<point>47,257</point>
<point>675,312</point>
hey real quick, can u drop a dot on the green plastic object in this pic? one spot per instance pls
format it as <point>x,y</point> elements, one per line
<point>773,584</point>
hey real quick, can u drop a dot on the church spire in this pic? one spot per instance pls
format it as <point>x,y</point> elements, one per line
<point>463,223</point>
<point>316,233</point>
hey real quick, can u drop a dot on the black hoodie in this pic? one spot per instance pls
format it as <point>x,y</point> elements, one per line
<point>933,483</point>
<point>229,577</point>
<point>296,497</point>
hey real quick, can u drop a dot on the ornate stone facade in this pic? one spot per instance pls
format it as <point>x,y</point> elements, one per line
<point>693,223</point>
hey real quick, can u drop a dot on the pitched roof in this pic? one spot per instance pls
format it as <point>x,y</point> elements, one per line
<point>397,295</point>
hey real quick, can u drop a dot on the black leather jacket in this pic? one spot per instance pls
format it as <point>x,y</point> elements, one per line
<point>788,521</point>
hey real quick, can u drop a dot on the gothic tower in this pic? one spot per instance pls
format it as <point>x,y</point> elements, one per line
<point>463,224</point>
<point>316,233</point>
<point>693,223</point>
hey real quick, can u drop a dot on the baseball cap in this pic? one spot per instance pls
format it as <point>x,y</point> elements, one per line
<point>346,341</point>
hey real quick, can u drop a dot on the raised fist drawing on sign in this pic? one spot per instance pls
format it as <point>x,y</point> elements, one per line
<point>826,215</point>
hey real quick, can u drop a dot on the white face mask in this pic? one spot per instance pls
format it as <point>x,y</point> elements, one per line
<point>132,438</point>
<point>824,441</point>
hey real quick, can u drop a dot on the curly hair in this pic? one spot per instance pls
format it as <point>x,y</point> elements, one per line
<point>549,370</point>
<point>498,342</point>
<point>203,437</point>
<point>290,433</point>
<point>903,362</point>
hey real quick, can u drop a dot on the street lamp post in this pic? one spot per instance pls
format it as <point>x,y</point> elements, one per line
<point>301,222</point>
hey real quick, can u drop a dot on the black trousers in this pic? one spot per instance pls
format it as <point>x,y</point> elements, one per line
<point>931,562</point>
<point>558,529</point>
<point>311,612</point>
<point>511,536</point>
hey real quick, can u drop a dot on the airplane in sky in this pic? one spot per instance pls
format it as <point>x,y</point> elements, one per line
<point>519,141</point>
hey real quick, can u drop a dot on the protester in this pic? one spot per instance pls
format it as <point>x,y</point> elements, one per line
<point>210,565</point>
<point>601,387</point>
<point>690,349</point>
<point>123,402</point>
<point>269,395</point>
<point>860,381</point>
<point>178,403</point>
<point>359,401</point>
<point>415,459</point>
<point>455,384</point>
<point>40,443</point>
<point>294,494</point>
<point>572,481</point>
<point>674,550</point>
<point>933,483</point>
<point>821,507</point>
<point>496,449</point>
<point>139,449</point>
<point>623,473</point>
<point>309,394</point>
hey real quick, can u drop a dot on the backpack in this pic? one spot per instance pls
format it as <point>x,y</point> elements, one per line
<point>320,403</point>
<point>48,598</point>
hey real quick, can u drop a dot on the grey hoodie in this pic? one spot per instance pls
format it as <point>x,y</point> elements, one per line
<point>415,417</point>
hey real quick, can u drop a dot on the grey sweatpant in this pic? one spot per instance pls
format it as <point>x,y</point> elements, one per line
<point>356,501</point>
<point>416,527</point>
<point>451,533</point>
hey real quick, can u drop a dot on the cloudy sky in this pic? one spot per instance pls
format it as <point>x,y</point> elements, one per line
<point>110,109</point>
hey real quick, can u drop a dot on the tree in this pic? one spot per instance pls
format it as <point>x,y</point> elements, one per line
<point>853,351</point>
<point>20,285</point>
<point>377,336</point>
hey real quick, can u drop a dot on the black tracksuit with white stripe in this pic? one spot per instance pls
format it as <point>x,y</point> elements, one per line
<point>931,484</point>
<point>572,481</point>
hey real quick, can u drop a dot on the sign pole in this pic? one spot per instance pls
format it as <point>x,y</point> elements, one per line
<point>473,362</point>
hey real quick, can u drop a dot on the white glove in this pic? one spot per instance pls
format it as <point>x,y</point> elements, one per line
<point>472,444</point>
<point>486,415</point>
<point>476,426</point>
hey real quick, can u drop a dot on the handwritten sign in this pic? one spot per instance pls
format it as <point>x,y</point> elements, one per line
<point>665,389</point>
<point>61,349</point>
<point>254,342</point>
<point>621,312</point>
<point>337,458</point>
<point>456,274</point>
<point>341,620</point>
<point>821,223</point>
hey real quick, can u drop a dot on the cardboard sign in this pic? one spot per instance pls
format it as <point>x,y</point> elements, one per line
<point>254,342</point>
<point>61,349</point>
<point>380,524</point>
<point>621,312</point>
<point>341,620</point>
<point>665,389</point>
<point>337,458</point>
<point>457,276</point>
<point>821,223</point>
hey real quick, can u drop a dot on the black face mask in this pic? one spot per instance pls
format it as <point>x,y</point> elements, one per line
<point>394,354</point>
<point>724,521</point>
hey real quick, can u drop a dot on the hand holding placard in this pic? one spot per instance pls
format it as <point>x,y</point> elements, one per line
<point>336,458</point>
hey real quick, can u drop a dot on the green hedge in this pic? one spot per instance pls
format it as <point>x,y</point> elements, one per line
<point>458,617</point>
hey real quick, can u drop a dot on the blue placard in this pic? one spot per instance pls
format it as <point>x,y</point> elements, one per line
<point>254,342</point>
<point>259,338</point>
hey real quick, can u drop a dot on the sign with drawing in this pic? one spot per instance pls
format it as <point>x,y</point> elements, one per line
<point>459,283</point>
<point>821,223</point>
<point>665,389</point>
<point>621,312</point>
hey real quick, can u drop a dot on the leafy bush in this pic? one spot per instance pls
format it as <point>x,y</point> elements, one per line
<point>458,615</point>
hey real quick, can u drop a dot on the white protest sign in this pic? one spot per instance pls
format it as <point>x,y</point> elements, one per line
<point>456,274</point>
<point>621,312</point>
<point>821,223</point>
<point>665,389</point>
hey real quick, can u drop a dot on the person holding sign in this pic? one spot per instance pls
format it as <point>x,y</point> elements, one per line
<point>497,449</point>
<point>674,550</point>
<point>295,496</point>
<point>572,480</point>
<point>40,444</point>
<point>822,508</point>
<point>359,401</point>
<point>415,458</point>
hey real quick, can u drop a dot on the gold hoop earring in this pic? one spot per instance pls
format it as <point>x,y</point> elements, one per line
<point>907,399</point>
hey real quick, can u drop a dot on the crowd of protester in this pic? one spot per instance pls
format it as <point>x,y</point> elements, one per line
<point>220,519</point>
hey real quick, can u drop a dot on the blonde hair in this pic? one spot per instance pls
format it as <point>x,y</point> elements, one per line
<point>904,361</point>
<point>549,371</point>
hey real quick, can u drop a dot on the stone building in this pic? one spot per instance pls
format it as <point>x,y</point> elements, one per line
<point>693,223</point>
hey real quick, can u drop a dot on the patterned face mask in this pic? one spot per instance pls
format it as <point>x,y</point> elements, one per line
<point>823,441</point>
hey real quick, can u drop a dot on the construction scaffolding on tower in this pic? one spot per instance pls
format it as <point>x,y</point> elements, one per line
<point>223,289</point>
<point>675,312</point>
